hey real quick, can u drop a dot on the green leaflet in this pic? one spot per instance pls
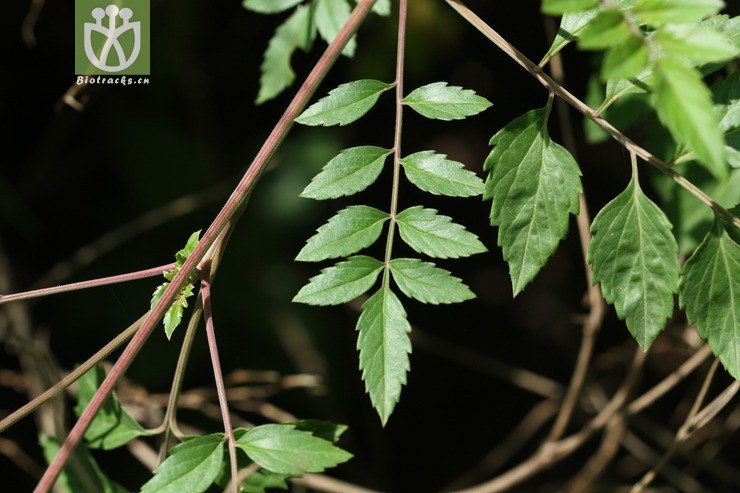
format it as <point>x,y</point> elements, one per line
<point>710,293</point>
<point>191,467</point>
<point>264,481</point>
<point>353,170</point>
<point>86,476</point>
<point>427,283</point>
<point>269,6</point>
<point>557,7</point>
<point>661,12</point>
<point>625,60</point>
<point>435,235</point>
<point>112,426</point>
<point>298,31</point>
<point>442,102</point>
<point>330,17</point>
<point>619,88</point>
<point>605,30</point>
<point>342,283</point>
<point>534,184</point>
<point>634,258</point>
<point>436,174</point>
<point>384,347</point>
<point>283,449</point>
<point>684,105</point>
<point>695,43</point>
<point>351,230</point>
<point>345,104</point>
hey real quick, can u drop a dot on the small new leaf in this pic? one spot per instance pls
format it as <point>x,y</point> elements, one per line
<point>298,31</point>
<point>384,347</point>
<point>634,258</point>
<point>330,17</point>
<point>282,448</point>
<point>534,184</point>
<point>442,102</point>
<point>269,6</point>
<point>661,12</point>
<point>558,7</point>
<point>342,283</point>
<point>435,235</point>
<point>191,467</point>
<point>436,174</point>
<point>351,230</point>
<point>352,171</point>
<point>182,255</point>
<point>345,104</point>
<point>710,293</point>
<point>112,426</point>
<point>684,105</point>
<point>427,283</point>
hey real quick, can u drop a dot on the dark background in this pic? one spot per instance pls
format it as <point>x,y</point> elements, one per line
<point>68,177</point>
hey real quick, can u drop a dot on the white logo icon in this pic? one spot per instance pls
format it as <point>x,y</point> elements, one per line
<point>111,33</point>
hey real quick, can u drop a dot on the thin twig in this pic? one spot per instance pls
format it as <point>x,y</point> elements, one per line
<point>205,288</point>
<point>233,207</point>
<point>92,283</point>
<point>328,484</point>
<point>553,86</point>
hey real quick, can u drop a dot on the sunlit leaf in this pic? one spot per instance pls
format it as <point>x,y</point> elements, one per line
<point>442,102</point>
<point>345,104</point>
<point>436,235</point>
<point>436,174</point>
<point>634,258</point>
<point>427,283</point>
<point>191,467</point>
<point>353,170</point>
<point>351,230</point>
<point>384,347</point>
<point>341,283</point>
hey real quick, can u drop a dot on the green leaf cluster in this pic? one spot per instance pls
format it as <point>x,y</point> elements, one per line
<point>383,340</point>
<point>664,47</point>
<point>280,450</point>
<point>309,18</point>
<point>173,315</point>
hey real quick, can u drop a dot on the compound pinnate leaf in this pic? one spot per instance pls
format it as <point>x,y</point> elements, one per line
<point>269,6</point>
<point>384,347</point>
<point>557,7</point>
<point>298,31</point>
<point>435,235</point>
<point>191,467</point>
<point>660,12</point>
<point>634,258</point>
<point>342,283</point>
<point>84,476</point>
<point>345,104</point>
<point>684,105</point>
<point>427,283</point>
<point>436,174</point>
<point>330,17</point>
<point>283,449</point>
<point>442,102</point>
<point>353,170</point>
<point>710,293</point>
<point>112,426</point>
<point>534,184</point>
<point>351,230</point>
